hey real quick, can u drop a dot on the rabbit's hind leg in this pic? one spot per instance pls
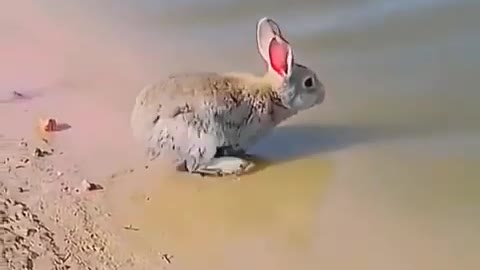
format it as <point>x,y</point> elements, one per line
<point>220,165</point>
<point>227,165</point>
<point>193,149</point>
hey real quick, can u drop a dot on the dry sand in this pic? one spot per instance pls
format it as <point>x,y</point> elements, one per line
<point>49,218</point>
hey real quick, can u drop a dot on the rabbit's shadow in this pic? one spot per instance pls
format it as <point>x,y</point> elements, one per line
<point>288,143</point>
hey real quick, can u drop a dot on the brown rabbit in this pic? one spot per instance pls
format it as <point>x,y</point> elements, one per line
<point>205,122</point>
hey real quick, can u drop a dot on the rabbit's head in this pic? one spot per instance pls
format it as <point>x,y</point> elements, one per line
<point>297,85</point>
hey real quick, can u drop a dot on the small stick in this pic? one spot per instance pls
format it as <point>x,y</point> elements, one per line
<point>131,228</point>
<point>168,258</point>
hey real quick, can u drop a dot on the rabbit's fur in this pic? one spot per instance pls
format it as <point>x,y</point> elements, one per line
<point>194,118</point>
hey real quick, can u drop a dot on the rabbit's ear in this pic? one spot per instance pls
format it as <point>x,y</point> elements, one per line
<point>273,47</point>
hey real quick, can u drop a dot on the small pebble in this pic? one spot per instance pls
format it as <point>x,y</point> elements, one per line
<point>18,94</point>
<point>41,153</point>
<point>88,186</point>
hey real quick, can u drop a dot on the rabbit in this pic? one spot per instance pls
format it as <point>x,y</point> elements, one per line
<point>204,122</point>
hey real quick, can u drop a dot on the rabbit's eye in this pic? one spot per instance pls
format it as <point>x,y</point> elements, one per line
<point>308,82</point>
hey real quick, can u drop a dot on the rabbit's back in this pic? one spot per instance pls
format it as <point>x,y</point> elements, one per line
<point>167,98</point>
<point>238,109</point>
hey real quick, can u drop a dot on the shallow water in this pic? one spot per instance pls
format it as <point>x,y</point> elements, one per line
<point>383,175</point>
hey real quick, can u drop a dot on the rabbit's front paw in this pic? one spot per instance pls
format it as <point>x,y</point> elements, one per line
<point>223,166</point>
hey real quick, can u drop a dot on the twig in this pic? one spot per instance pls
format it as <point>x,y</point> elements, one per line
<point>131,228</point>
<point>167,258</point>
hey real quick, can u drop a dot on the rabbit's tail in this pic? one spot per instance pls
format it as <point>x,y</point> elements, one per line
<point>142,119</point>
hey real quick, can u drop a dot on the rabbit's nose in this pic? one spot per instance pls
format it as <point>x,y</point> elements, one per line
<point>321,93</point>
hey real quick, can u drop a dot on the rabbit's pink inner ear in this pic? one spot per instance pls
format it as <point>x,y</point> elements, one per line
<point>278,53</point>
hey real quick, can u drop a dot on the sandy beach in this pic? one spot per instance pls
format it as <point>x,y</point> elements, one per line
<point>383,175</point>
